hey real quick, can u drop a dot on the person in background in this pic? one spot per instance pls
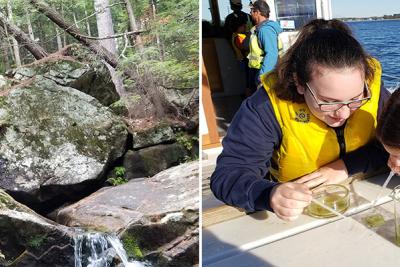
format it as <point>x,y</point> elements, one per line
<point>388,130</point>
<point>312,122</point>
<point>263,44</point>
<point>231,21</point>
<point>240,48</point>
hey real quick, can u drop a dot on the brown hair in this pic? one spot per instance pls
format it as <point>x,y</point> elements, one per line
<point>388,128</point>
<point>324,42</point>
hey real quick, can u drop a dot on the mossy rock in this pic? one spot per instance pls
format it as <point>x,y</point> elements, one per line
<point>55,139</point>
<point>27,239</point>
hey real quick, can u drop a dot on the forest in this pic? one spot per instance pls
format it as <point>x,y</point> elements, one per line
<point>99,132</point>
<point>155,40</point>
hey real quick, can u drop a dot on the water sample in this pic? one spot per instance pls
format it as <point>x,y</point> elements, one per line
<point>335,197</point>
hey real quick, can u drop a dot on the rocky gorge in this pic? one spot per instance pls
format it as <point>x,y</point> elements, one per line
<point>72,162</point>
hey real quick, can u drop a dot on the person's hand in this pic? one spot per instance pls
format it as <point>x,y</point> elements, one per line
<point>394,164</point>
<point>332,173</point>
<point>289,199</point>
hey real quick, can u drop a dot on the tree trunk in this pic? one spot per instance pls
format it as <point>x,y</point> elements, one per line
<point>105,25</point>
<point>75,20</point>
<point>30,29</point>
<point>59,41</point>
<point>36,50</point>
<point>105,28</point>
<point>8,41</point>
<point>87,22</point>
<point>74,32</point>
<point>137,39</point>
<point>64,34</point>
<point>6,59</point>
<point>4,46</point>
<point>15,43</point>
<point>159,46</point>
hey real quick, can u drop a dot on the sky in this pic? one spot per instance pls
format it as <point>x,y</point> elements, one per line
<point>340,8</point>
<point>364,8</point>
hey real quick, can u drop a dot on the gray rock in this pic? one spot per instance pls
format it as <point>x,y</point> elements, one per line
<point>120,108</point>
<point>29,240</point>
<point>92,79</point>
<point>181,98</point>
<point>3,81</point>
<point>152,160</point>
<point>153,136</point>
<point>157,218</point>
<point>55,139</point>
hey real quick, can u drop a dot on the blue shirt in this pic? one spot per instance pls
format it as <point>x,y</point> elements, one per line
<point>267,34</point>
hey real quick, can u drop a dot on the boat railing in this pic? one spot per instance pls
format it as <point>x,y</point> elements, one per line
<point>393,82</point>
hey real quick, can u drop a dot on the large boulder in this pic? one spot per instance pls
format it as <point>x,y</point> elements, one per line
<point>157,218</point>
<point>149,161</point>
<point>157,134</point>
<point>185,101</point>
<point>91,78</point>
<point>55,141</point>
<point>29,240</point>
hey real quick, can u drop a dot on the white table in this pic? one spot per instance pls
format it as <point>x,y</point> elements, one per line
<point>261,239</point>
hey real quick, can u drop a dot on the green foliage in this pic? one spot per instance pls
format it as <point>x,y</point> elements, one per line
<point>119,171</point>
<point>117,181</point>
<point>184,140</point>
<point>174,62</point>
<point>132,248</point>
<point>188,142</point>
<point>36,241</point>
<point>170,39</point>
<point>119,178</point>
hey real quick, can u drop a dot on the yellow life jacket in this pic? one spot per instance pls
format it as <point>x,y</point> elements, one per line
<point>256,54</point>
<point>307,142</point>
<point>280,46</point>
<point>238,52</point>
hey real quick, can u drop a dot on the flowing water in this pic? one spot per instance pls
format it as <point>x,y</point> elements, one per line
<point>100,250</point>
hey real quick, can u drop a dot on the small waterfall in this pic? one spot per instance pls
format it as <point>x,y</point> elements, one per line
<point>99,250</point>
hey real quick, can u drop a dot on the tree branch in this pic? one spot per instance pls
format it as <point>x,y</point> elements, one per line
<point>111,36</point>
<point>172,87</point>
<point>35,49</point>
<point>93,45</point>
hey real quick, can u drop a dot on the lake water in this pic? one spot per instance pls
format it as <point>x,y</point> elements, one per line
<point>381,39</point>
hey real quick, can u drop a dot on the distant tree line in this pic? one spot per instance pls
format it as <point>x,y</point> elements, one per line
<point>394,16</point>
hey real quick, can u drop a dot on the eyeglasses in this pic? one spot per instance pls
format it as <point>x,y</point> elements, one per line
<point>334,106</point>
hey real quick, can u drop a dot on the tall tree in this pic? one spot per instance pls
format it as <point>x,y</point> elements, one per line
<point>36,50</point>
<point>5,45</point>
<point>93,45</point>
<point>105,25</point>
<point>87,20</point>
<point>59,41</point>
<point>14,41</point>
<point>137,39</point>
<point>159,45</point>
<point>62,15</point>
<point>75,20</point>
<point>30,28</point>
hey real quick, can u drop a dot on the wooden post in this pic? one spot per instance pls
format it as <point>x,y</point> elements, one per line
<point>211,139</point>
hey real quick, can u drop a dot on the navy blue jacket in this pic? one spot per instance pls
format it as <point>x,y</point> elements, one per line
<point>239,177</point>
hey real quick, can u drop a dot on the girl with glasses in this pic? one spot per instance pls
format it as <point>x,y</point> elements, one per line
<point>312,122</point>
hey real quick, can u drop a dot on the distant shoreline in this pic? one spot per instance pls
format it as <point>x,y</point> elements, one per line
<point>364,19</point>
